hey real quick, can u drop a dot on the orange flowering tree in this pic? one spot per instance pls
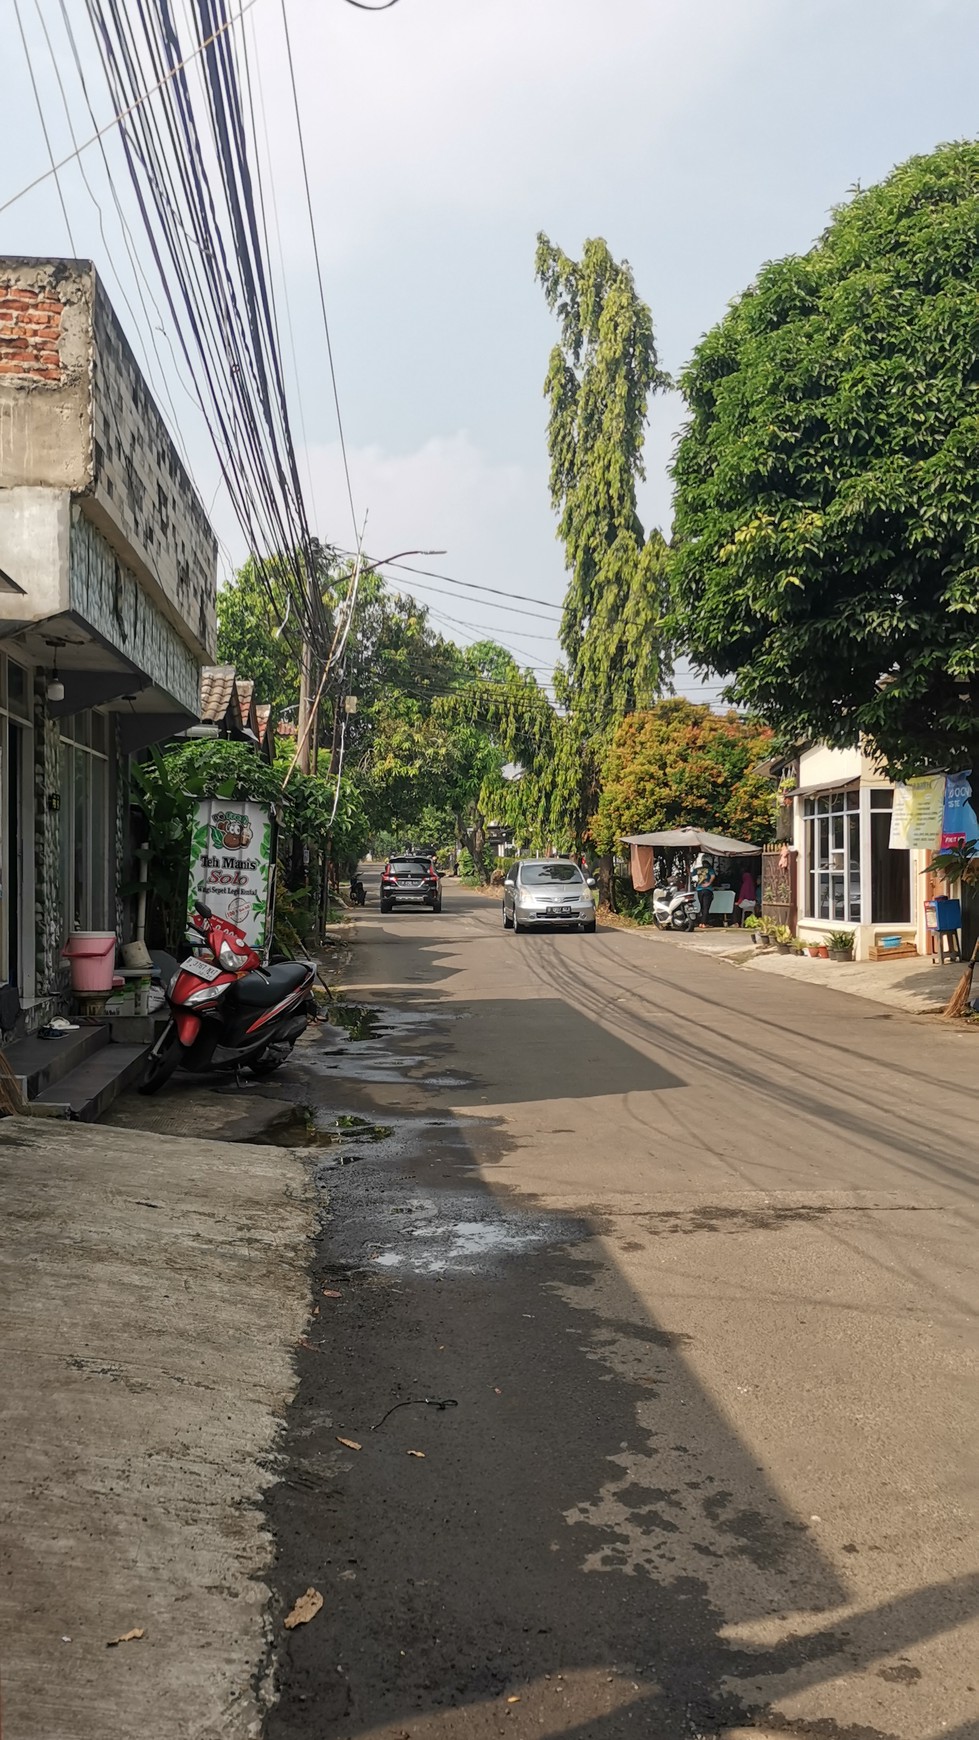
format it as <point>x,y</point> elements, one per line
<point>680,765</point>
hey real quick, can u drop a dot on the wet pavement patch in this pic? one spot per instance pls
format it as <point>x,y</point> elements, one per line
<point>361,1021</point>
<point>315,1127</point>
<point>434,1242</point>
<point>347,1126</point>
<point>357,1019</point>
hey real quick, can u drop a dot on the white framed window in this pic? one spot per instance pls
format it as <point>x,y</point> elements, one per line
<point>84,821</point>
<point>832,846</point>
<point>17,940</point>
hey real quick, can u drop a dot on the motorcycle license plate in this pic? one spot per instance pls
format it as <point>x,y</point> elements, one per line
<point>201,969</point>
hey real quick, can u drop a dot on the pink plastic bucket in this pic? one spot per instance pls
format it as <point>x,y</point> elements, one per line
<point>92,955</point>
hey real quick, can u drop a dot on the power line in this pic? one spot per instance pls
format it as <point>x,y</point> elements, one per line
<point>473,586</point>
<point>123,114</point>
<point>163,388</point>
<point>316,258</point>
<point>470,586</point>
<point>222,280</point>
<point>440,592</point>
<point>280,251</point>
<point>478,628</point>
<point>44,126</point>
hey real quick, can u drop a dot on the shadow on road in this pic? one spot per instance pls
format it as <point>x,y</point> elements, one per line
<point>582,1529</point>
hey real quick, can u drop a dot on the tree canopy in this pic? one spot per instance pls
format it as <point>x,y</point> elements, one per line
<point>677,765</point>
<point>826,540</point>
<point>601,373</point>
<point>259,631</point>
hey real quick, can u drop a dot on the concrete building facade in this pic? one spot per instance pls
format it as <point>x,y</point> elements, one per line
<point>845,873</point>
<point>107,598</point>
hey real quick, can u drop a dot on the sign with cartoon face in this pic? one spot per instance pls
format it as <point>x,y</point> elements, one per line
<point>230,864</point>
<point>231,830</point>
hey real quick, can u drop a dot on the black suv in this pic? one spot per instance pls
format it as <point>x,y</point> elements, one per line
<point>413,879</point>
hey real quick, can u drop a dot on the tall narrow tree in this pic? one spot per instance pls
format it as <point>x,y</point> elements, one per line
<point>601,375</point>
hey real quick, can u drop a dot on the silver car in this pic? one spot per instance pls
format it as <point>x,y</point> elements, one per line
<point>548,891</point>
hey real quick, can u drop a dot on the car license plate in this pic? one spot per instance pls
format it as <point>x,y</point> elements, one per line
<point>561,911</point>
<point>201,969</point>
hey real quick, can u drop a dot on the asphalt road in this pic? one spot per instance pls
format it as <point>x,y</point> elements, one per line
<point>691,1251</point>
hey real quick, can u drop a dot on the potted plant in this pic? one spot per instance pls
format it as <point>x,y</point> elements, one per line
<point>783,939</point>
<point>840,945</point>
<point>757,931</point>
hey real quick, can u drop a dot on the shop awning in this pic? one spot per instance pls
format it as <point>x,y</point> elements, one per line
<point>693,840</point>
<point>825,786</point>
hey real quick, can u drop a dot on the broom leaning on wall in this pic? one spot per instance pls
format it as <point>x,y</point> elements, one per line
<point>959,1001</point>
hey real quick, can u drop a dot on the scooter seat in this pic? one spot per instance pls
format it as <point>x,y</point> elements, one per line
<point>263,990</point>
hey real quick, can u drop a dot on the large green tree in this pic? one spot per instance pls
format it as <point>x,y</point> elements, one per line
<point>826,541</point>
<point>601,374</point>
<point>252,608</point>
<point>680,765</point>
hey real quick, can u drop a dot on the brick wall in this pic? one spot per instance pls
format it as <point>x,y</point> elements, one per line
<point>30,332</point>
<point>76,414</point>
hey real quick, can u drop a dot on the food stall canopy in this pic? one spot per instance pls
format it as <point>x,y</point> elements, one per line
<point>693,840</point>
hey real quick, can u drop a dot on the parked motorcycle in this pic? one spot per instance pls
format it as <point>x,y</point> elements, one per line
<point>358,892</point>
<point>675,908</point>
<point>227,1010</point>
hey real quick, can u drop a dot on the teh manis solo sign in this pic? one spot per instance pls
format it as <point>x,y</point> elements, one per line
<point>230,864</point>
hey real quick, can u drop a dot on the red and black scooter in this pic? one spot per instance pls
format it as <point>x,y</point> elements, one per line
<point>227,1010</point>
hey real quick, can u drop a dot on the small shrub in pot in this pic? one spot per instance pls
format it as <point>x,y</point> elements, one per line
<point>840,945</point>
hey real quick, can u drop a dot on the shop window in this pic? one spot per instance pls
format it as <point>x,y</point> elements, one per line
<point>84,825</point>
<point>890,872</point>
<point>832,828</point>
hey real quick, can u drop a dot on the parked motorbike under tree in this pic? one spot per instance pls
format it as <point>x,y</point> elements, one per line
<point>229,1012</point>
<point>675,908</point>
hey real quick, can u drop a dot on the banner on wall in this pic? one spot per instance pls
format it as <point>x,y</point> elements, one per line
<point>230,862</point>
<point>959,820</point>
<point>917,816</point>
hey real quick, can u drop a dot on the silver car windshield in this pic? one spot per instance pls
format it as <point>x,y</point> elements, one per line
<point>534,875</point>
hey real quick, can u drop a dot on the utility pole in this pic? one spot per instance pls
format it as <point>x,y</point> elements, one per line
<point>311,691</point>
<point>307,736</point>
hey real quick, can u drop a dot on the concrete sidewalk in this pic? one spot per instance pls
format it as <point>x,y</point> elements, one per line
<point>916,985</point>
<point>153,1293</point>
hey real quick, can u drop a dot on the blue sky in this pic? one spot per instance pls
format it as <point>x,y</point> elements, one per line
<point>699,137</point>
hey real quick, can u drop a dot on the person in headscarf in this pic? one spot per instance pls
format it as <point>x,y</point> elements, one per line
<point>747,895</point>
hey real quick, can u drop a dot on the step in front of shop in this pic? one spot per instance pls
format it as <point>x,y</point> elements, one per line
<point>90,1089</point>
<point>39,1063</point>
<point>76,1075</point>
